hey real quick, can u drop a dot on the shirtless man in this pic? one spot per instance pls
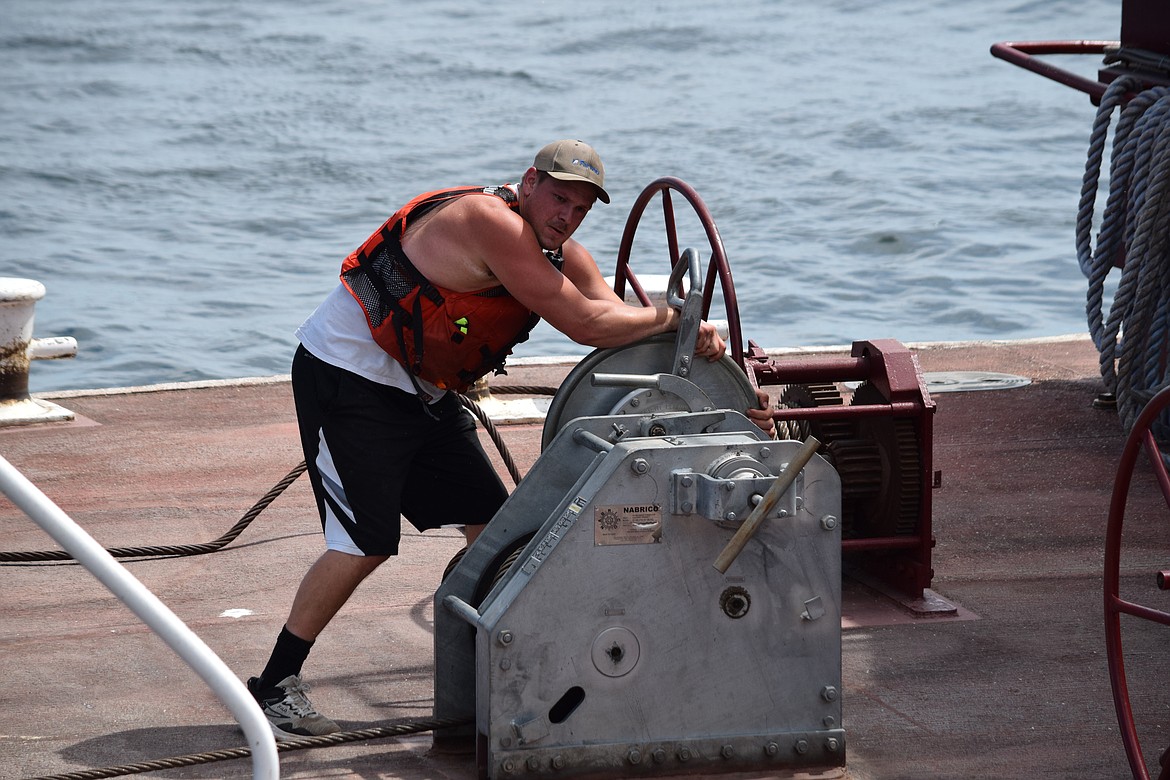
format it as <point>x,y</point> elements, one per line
<point>382,436</point>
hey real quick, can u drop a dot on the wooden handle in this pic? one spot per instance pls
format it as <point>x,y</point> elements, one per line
<point>783,481</point>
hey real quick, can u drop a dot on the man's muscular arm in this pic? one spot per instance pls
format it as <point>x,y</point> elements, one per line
<point>473,243</point>
<point>508,247</point>
<point>581,270</point>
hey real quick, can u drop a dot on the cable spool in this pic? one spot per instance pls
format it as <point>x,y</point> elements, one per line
<point>1134,235</point>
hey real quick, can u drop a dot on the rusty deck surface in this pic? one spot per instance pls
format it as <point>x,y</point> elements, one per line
<point>1016,686</point>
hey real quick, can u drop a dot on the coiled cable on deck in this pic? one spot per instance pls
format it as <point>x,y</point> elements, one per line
<point>1131,337</point>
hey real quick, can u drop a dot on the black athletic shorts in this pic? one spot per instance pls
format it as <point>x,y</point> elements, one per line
<point>375,455</point>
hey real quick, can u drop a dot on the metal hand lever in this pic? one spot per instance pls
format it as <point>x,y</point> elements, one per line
<point>750,526</point>
<point>691,395</point>
<point>690,306</point>
<point>624,380</point>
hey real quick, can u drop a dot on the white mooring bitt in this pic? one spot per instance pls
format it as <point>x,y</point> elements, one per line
<point>18,297</point>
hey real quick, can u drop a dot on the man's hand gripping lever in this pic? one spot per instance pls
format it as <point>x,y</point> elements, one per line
<point>695,338</point>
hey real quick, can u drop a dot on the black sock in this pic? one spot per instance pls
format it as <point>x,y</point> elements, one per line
<point>288,655</point>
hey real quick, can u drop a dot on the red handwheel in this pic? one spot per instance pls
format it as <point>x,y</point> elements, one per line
<point>716,266</point>
<point>1115,606</point>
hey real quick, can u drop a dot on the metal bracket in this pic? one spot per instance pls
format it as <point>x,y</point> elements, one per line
<point>727,501</point>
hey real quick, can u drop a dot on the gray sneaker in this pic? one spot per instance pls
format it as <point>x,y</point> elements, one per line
<point>289,711</point>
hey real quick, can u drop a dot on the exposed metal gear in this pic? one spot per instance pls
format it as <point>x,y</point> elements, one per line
<point>888,465</point>
<point>877,458</point>
<point>811,396</point>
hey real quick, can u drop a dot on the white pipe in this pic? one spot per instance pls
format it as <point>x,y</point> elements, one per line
<point>131,592</point>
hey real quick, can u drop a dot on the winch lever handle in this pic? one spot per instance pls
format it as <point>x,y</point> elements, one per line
<point>690,308</point>
<point>750,526</point>
<point>689,264</point>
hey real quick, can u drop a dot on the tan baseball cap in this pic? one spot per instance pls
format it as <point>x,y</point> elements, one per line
<point>570,160</point>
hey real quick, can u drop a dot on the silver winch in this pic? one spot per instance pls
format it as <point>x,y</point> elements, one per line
<point>660,595</point>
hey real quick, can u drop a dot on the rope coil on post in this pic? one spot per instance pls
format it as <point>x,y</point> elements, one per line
<point>1131,337</point>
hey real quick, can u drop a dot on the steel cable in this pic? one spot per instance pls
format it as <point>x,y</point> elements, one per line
<point>171,550</point>
<point>181,550</point>
<point>494,434</point>
<point>231,754</point>
<point>490,427</point>
<point>200,549</point>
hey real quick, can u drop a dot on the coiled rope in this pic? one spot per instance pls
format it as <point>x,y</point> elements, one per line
<point>1131,338</point>
<point>227,538</point>
<point>230,754</point>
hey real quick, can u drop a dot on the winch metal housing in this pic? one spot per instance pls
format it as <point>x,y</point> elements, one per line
<point>588,632</point>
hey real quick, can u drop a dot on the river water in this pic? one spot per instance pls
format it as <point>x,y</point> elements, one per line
<point>185,176</point>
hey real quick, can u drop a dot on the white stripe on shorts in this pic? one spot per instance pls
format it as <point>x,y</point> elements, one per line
<point>336,537</point>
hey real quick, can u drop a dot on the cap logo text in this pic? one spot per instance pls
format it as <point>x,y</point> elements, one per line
<point>584,164</point>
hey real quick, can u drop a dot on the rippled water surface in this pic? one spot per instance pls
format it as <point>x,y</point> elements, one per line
<point>185,176</point>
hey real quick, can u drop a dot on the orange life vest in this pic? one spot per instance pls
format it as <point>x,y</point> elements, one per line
<point>448,338</point>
